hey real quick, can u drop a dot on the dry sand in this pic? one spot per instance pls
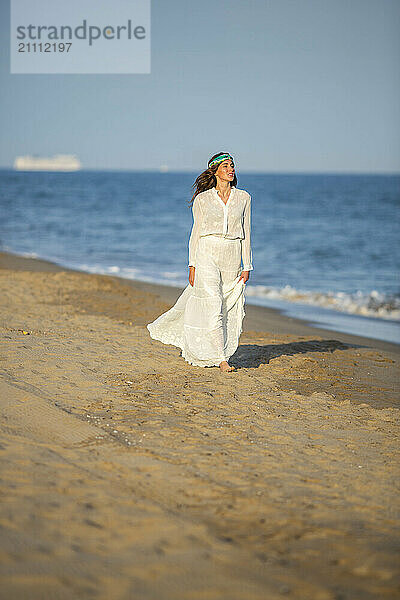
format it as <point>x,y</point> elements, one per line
<point>129,474</point>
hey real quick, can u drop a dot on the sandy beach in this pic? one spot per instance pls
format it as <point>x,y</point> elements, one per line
<point>129,474</point>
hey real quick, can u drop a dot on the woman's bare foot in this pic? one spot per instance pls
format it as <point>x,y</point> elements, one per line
<point>224,366</point>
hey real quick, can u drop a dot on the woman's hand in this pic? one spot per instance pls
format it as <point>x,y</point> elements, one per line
<point>245,276</point>
<point>191,275</point>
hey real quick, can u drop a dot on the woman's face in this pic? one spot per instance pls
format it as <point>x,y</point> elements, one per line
<point>226,170</point>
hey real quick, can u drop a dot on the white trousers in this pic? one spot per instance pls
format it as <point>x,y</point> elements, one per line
<point>206,320</point>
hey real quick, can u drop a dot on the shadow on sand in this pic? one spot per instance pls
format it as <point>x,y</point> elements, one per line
<point>254,355</point>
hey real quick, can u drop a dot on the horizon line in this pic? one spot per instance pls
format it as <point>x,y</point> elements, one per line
<point>187,170</point>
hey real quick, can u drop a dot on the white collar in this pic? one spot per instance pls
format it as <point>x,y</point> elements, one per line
<point>233,189</point>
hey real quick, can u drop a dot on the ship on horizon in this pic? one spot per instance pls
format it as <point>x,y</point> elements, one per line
<point>58,162</point>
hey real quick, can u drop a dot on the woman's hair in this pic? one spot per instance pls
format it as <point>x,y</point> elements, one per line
<point>207,180</point>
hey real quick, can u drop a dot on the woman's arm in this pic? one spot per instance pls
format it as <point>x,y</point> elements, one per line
<point>247,255</point>
<point>195,233</point>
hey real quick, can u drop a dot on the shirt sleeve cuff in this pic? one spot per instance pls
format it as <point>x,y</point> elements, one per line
<point>248,268</point>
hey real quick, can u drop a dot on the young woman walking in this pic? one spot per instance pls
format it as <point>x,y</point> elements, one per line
<point>206,320</point>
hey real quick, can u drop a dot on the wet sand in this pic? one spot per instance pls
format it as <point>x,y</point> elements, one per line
<point>127,473</point>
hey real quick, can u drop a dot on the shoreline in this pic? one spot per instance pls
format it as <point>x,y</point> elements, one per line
<point>258,318</point>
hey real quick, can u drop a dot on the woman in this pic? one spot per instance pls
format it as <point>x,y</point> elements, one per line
<point>206,320</point>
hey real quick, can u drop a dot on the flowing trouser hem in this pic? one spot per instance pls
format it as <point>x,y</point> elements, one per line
<point>173,340</point>
<point>169,328</point>
<point>189,358</point>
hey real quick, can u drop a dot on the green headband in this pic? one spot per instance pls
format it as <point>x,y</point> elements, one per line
<point>220,159</point>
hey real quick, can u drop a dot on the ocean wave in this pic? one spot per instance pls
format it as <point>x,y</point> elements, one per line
<point>372,304</point>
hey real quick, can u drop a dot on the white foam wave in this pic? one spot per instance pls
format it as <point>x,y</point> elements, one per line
<point>372,304</point>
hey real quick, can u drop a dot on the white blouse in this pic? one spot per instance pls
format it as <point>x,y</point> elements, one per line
<point>231,220</point>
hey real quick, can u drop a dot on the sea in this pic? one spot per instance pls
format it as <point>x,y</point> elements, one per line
<point>325,246</point>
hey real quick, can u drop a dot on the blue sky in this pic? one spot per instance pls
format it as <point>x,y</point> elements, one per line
<point>283,85</point>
